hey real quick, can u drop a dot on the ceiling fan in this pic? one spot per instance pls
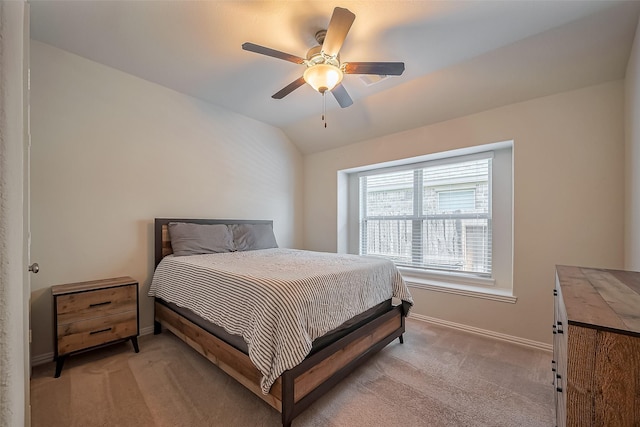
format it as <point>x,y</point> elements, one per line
<point>324,70</point>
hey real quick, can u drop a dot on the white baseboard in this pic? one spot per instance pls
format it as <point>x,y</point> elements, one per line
<point>146,331</point>
<point>41,359</point>
<point>484,332</point>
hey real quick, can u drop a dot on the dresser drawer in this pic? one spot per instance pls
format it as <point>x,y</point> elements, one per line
<point>88,333</point>
<point>560,346</point>
<point>104,302</point>
<point>597,345</point>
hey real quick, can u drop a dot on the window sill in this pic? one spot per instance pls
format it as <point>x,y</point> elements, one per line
<point>468,290</point>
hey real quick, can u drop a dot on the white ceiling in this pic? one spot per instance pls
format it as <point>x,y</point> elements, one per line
<point>461,57</point>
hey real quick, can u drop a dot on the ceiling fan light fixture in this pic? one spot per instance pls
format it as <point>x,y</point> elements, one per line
<point>323,77</point>
<point>324,70</point>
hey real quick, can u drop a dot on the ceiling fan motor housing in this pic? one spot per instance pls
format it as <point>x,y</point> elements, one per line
<point>315,55</point>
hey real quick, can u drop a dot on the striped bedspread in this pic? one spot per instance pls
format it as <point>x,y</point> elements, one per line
<point>278,300</point>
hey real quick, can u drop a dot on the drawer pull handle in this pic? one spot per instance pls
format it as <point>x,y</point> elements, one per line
<point>99,303</point>
<point>101,330</point>
<point>558,384</point>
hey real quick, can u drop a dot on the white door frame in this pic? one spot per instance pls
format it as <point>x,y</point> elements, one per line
<point>14,280</point>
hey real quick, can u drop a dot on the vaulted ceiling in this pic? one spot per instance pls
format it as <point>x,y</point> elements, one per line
<point>461,57</point>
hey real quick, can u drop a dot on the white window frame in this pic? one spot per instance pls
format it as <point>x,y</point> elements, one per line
<point>497,287</point>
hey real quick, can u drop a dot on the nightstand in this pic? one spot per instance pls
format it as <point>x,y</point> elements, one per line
<point>92,314</point>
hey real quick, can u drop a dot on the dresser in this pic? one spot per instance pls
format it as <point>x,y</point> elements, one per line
<point>91,314</point>
<point>596,347</point>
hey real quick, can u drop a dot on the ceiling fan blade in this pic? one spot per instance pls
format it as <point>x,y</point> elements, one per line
<point>289,88</point>
<point>251,47</point>
<point>342,96</point>
<point>339,26</point>
<point>380,68</point>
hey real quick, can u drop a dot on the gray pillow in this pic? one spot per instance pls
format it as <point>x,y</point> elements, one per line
<point>248,237</point>
<point>195,239</point>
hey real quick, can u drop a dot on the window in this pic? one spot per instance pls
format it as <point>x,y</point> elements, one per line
<point>432,215</point>
<point>445,218</point>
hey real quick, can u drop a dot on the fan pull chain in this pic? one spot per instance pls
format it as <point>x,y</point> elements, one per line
<point>324,109</point>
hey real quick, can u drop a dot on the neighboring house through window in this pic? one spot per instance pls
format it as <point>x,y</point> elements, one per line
<point>445,219</point>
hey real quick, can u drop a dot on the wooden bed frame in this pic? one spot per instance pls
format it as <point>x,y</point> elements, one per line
<point>297,388</point>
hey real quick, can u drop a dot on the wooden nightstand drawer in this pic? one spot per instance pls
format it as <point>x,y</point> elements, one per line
<point>91,314</point>
<point>87,305</point>
<point>89,333</point>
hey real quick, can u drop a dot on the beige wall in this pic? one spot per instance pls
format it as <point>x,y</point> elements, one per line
<point>111,152</point>
<point>632,157</point>
<point>568,197</point>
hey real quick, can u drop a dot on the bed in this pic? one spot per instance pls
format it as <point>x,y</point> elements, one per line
<point>308,364</point>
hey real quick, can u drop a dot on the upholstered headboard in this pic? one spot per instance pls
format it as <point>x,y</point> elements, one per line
<point>162,240</point>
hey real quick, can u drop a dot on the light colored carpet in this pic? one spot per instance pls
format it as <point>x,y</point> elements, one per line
<point>438,377</point>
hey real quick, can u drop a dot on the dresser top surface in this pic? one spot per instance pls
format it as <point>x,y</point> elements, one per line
<point>599,298</point>
<point>91,285</point>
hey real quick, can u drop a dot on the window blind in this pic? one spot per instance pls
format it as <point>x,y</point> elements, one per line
<point>434,216</point>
